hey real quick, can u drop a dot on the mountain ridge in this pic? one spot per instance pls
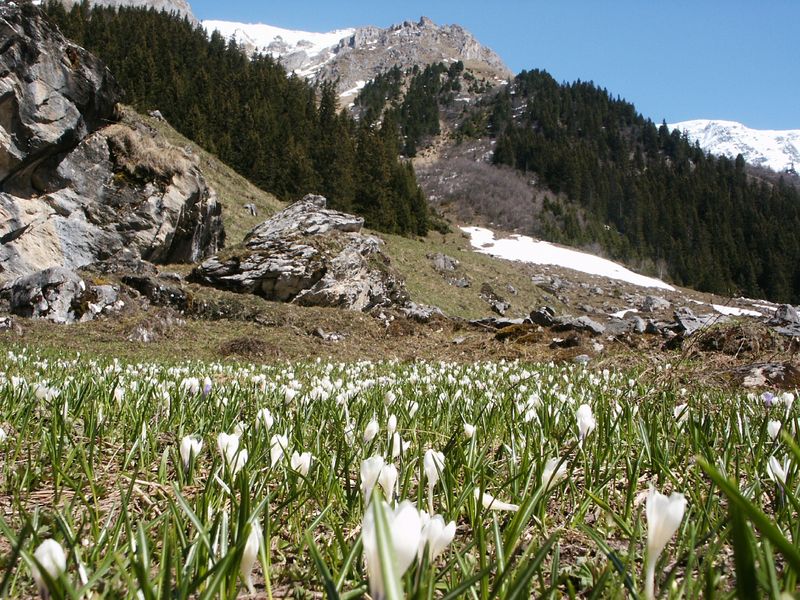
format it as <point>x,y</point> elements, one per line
<point>362,53</point>
<point>778,150</point>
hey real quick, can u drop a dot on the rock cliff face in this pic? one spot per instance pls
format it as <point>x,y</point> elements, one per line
<point>75,189</point>
<point>371,51</point>
<point>312,256</point>
<point>180,7</point>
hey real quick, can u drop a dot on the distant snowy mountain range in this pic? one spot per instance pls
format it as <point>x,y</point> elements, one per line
<point>776,150</point>
<point>356,55</point>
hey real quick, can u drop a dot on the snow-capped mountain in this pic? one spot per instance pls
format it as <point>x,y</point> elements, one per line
<point>776,150</point>
<point>355,56</point>
<point>302,51</point>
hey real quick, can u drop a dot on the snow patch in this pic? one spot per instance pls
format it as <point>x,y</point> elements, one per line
<point>526,249</point>
<point>276,41</point>
<point>735,312</point>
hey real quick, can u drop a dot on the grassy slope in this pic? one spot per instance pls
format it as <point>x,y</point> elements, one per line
<point>409,255</point>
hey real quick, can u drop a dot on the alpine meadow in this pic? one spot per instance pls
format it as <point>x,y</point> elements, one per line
<point>363,313</point>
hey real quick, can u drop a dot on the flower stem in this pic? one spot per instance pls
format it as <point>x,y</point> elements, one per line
<point>649,581</point>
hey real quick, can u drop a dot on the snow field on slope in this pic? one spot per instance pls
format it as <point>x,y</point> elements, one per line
<point>262,35</point>
<point>528,250</point>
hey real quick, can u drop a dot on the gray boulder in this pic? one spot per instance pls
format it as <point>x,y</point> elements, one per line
<point>654,304</point>
<point>309,255</point>
<point>687,323</point>
<point>61,296</point>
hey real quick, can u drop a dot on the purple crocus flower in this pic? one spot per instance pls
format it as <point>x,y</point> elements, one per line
<point>768,398</point>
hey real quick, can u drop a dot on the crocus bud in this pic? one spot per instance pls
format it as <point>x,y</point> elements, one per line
<point>553,473</point>
<point>664,516</point>
<point>370,472</point>
<point>433,463</point>
<point>190,447</point>
<point>436,536</point>
<point>3,435</point>
<point>264,419</point>
<point>278,444</point>
<point>412,409</point>
<point>586,422</point>
<point>399,445</point>
<point>301,462</point>
<point>388,480</point>
<point>405,532</point>
<point>249,556</point>
<point>491,503</point>
<point>469,431</point>
<point>371,431</point>
<point>777,471</point>
<point>228,445</point>
<point>391,426</point>
<point>773,429</point>
<point>52,558</point>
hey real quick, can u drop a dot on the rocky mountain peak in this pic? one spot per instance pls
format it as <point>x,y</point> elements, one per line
<point>353,57</point>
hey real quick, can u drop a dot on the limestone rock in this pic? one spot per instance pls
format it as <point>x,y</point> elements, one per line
<point>310,255</point>
<point>91,210</point>
<point>655,304</point>
<point>74,190</point>
<point>52,93</point>
<point>61,296</point>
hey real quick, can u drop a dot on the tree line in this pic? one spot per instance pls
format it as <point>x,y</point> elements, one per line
<point>648,193</point>
<point>286,136</point>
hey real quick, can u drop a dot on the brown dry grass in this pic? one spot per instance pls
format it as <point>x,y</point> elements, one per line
<point>143,155</point>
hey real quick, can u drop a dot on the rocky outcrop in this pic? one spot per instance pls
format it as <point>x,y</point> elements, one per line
<point>371,51</point>
<point>312,256</point>
<point>180,7</point>
<point>52,94</point>
<point>354,56</point>
<point>75,190</point>
<point>62,296</point>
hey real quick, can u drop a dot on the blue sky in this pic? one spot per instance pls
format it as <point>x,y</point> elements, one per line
<point>675,59</point>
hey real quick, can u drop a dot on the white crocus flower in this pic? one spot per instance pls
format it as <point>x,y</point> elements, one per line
<point>433,463</point>
<point>436,536</point>
<point>773,429</point>
<point>412,409</point>
<point>664,516</point>
<point>399,445</point>
<point>264,419</point>
<point>249,556</point>
<point>388,480</point>
<point>469,431</point>
<point>777,471</point>
<point>51,557</point>
<point>680,412</point>
<point>391,426</point>
<point>371,431</point>
<point>278,445</point>
<point>301,462</point>
<point>788,400</point>
<point>586,421</point>
<point>553,473</point>
<point>3,435</point>
<point>491,503</point>
<point>228,445</point>
<point>370,473</point>
<point>405,532</point>
<point>190,447</point>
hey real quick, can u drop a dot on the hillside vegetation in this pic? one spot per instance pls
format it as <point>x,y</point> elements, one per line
<point>282,134</point>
